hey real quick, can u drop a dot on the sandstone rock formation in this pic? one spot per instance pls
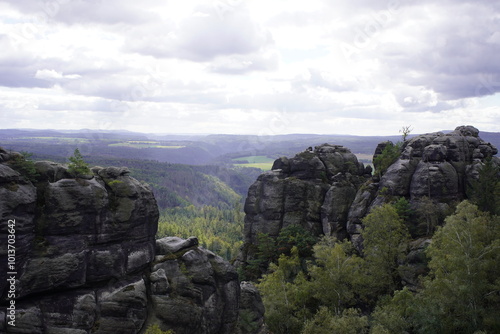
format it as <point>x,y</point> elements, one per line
<point>314,189</point>
<point>433,166</point>
<point>86,259</point>
<point>328,192</point>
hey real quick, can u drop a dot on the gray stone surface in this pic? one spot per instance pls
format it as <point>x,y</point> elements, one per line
<point>87,260</point>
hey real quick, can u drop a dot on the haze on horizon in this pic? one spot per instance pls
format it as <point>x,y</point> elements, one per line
<point>250,67</point>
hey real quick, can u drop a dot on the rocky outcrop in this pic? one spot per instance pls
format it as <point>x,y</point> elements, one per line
<point>328,192</point>
<point>314,189</point>
<point>86,259</point>
<point>192,283</point>
<point>436,166</point>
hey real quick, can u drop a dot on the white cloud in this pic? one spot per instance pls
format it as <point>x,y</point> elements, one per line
<point>361,67</point>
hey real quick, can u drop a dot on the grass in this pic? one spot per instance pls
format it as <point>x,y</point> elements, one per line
<point>58,139</point>
<point>256,161</point>
<point>264,166</point>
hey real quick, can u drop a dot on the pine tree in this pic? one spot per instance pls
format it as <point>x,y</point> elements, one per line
<point>77,165</point>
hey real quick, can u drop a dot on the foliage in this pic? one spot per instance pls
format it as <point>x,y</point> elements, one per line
<point>298,300</point>
<point>335,274</point>
<point>285,295</point>
<point>389,155</point>
<point>428,212</point>
<point>269,249</point>
<point>406,213</point>
<point>25,166</point>
<point>265,253</point>
<point>463,286</point>
<point>219,230</point>
<point>394,315</point>
<point>77,165</point>
<point>462,292</point>
<point>155,329</point>
<point>485,191</point>
<point>325,322</point>
<point>383,235</point>
<point>295,236</point>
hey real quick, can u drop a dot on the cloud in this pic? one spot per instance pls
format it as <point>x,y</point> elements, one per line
<point>452,53</point>
<point>52,75</point>
<point>323,63</point>
<point>204,36</point>
<point>108,12</point>
<point>241,64</point>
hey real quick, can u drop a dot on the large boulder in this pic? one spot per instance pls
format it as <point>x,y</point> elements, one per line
<point>193,290</point>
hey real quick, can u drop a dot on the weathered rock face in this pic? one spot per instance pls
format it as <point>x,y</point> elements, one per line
<point>81,247</point>
<point>192,283</point>
<point>437,166</point>
<point>328,192</point>
<point>86,259</point>
<point>314,189</point>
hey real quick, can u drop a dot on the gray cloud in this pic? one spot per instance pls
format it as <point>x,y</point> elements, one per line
<point>422,57</point>
<point>86,11</point>
<point>454,53</point>
<point>204,36</point>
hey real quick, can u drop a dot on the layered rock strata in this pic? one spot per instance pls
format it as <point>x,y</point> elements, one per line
<point>86,259</point>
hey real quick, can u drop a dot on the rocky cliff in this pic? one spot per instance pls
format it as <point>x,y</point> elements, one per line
<point>327,191</point>
<point>85,260</point>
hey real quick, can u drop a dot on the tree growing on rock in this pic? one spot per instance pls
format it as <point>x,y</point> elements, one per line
<point>485,191</point>
<point>24,165</point>
<point>388,156</point>
<point>405,131</point>
<point>77,165</point>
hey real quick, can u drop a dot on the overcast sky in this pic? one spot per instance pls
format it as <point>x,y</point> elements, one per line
<point>364,67</point>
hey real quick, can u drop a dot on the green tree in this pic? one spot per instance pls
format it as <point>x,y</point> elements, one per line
<point>285,294</point>
<point>77,165</point>
<point>462,292</point>
<point>25,166</point>
<point>325,322</point>
<point>295,236</point>
<point>428,213</point>
<point>389,155</point>
<point>335,274</point>
<point>394,315</point>
<point>383,235</point>
<point>485,191</point>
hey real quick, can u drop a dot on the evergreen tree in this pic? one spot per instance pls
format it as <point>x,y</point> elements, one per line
<point>77,165</point>
<point>25,166</point>
<point>485,191</point>
<point>389,155</point>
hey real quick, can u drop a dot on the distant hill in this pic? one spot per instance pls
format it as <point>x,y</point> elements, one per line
<point>184,149</point>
